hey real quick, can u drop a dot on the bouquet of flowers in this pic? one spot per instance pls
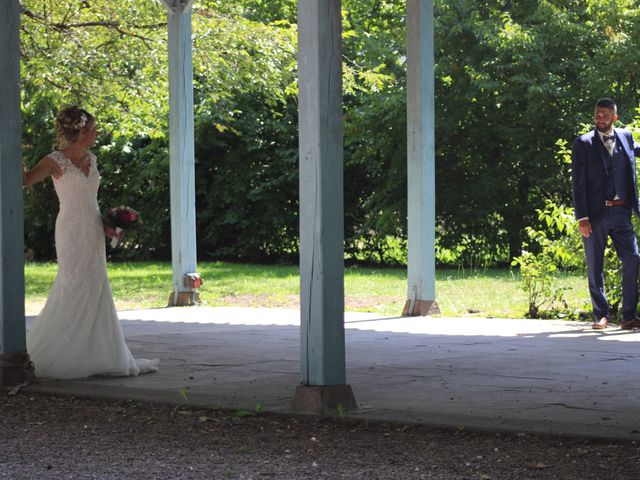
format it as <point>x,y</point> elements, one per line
<point>121,218</point>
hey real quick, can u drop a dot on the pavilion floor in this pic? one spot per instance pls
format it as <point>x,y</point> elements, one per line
<point>473,373</point>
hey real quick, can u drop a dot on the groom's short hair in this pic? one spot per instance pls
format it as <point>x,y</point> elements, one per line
<point>607,103</point>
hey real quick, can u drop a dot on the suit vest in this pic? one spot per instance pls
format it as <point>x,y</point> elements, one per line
<point>619,182</point>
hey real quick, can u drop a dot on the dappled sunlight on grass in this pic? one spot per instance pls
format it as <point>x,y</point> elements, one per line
<point>497,292</point>
<point>483,293</point>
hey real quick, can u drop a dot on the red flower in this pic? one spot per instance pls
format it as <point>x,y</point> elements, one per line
<point>123,217</point>
<point>127,217</point>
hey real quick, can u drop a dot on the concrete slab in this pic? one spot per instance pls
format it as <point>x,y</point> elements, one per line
<point>497,374</point>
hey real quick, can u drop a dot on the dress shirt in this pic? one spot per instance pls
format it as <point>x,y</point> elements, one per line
<point>608,145</point>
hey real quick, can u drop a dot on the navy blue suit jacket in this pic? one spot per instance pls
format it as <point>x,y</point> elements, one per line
<point>589,173</point>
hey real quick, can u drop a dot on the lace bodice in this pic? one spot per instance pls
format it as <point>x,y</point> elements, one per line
<point>80,241</point>
<point>74,188</point>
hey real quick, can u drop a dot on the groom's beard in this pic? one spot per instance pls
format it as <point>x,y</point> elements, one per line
<point>604,129</point>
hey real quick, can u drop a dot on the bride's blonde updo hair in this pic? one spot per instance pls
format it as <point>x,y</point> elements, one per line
<point>69,121</point>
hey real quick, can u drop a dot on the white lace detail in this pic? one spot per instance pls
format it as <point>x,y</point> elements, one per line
<point>67,165</point>
<point>63,162</point>
<point>79,237</point>
<point>78,333</point>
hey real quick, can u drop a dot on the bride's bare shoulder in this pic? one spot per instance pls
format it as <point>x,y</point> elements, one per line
<point>45,167</point>
<point>55,164</point>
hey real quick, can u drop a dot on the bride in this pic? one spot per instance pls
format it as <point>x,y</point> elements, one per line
<point>78,333</point>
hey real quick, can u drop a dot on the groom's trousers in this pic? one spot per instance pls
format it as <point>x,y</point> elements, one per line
<point>616,223</point>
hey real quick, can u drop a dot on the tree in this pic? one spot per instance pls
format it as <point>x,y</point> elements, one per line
<point>512,79</point>
<point>111,58</point>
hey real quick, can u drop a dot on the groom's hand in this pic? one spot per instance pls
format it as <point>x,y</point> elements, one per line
<point>584,227</point>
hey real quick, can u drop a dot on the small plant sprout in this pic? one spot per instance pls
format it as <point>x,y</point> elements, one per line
<point>183,393</point>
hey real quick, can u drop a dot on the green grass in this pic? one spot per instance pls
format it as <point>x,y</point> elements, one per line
<point>489,293</point>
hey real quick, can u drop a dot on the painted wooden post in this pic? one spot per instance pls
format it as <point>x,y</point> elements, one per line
<point>421,159</point>
<point>181,152</point>
<point>14,361</point>
<point>321,209</point>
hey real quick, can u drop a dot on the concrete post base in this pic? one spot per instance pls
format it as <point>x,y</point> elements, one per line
<point>420,308</point>
<point>15,368</point>
<point>326,399</point>
<point>184,299</point>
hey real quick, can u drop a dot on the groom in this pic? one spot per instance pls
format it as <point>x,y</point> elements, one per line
<point>605,193</point>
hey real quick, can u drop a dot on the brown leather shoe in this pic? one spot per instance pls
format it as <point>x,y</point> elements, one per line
<point>630,324</point>
<point>600,324</point>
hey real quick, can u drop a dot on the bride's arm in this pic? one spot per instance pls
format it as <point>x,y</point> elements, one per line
<point>45,167</point>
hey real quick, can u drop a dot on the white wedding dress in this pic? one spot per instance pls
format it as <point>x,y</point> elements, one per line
<point>78,332</point>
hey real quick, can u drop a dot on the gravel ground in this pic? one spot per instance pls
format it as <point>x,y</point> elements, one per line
<point>54,437</point>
